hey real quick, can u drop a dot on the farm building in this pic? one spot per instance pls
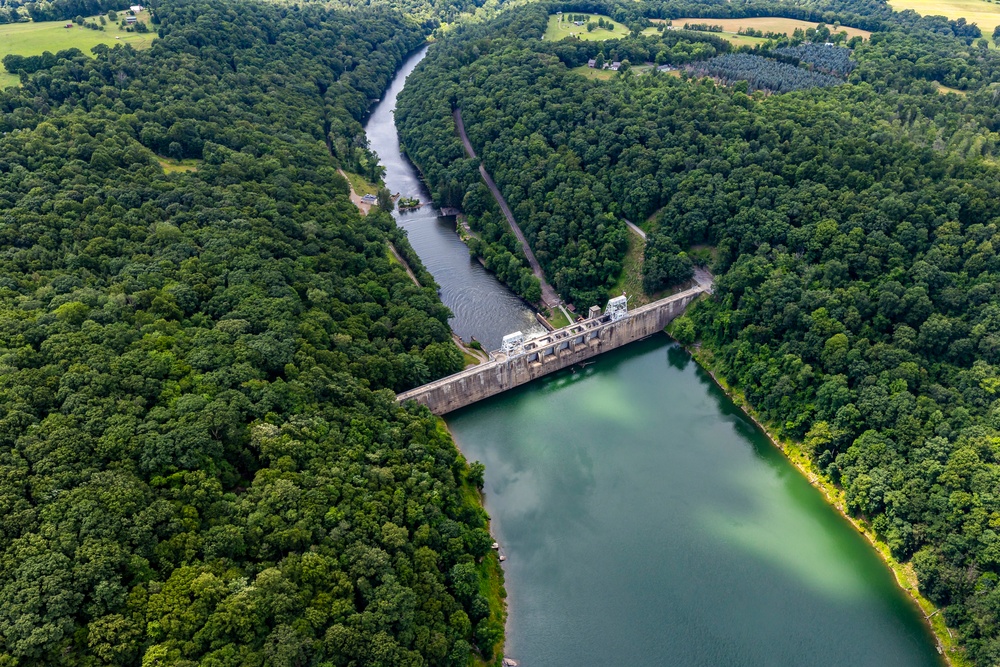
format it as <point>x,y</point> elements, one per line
<point>136,8</point>
<point>130,20</point>
<point>591,63</point>
<point>615,66</point>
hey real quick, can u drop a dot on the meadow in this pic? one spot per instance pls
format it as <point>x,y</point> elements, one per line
<point>32,39</point>
<point>984,14</point>
<point>560,26</point>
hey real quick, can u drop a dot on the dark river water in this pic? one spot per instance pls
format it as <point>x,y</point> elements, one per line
<point>645,519</point>
<point>482,306</point>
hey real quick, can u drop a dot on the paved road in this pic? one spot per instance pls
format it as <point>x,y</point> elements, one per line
<point>549,296</point>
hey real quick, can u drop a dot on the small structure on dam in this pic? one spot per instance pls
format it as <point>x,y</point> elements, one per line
<point>521,360</point>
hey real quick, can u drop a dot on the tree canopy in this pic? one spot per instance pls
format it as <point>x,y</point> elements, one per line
<point>201,456</point>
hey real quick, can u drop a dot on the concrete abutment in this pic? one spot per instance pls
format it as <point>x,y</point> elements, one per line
<point>548,353</point>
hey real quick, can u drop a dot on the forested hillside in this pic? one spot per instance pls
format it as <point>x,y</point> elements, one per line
<point>201,456</point>
<point>854,229</point>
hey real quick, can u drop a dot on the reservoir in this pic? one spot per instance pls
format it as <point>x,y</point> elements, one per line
<point>482,306</point>
<point>647,521</point>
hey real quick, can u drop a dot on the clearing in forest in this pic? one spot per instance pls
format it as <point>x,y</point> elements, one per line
<point>33,39</point>
<point>593,72</point>
<point>767,24</point>
<point>561,25</point>
<point>984,14</point>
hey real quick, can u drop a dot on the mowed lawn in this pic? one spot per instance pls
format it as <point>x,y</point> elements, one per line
<point>769,24</point>
<point>984,14</point>
<point>560,26</point>
<point>33,39</point>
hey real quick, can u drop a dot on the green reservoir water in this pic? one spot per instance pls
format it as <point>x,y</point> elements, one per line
<point>646,521</point>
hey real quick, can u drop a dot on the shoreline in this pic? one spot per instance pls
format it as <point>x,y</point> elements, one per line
<point>496,577</point>
<point>951,654</point>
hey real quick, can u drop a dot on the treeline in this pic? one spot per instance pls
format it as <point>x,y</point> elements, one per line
<point>762,73</point>
<point>201,456</point>
<point>64,10</point>
<point>14,63</point>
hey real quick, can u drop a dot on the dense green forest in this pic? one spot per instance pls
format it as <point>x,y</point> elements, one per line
<point>854,231</point>
<point>201,456</point>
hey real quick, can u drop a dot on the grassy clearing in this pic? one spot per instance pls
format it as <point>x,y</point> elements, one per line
<point>767,24</point>
<point>172,166</point>
<point>593,73</point>
<point>557,319</point>
<point>984,14</point>
<point>33,39</point>
<point>944,90</point>
<point>904,573</point>
<point>360,185</point>
<point>560,26</point>
<point>630,280</point>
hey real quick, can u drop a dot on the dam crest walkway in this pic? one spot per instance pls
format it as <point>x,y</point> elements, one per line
<point>525,360</point>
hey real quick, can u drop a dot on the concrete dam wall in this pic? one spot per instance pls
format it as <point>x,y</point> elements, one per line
<point>549,353</point>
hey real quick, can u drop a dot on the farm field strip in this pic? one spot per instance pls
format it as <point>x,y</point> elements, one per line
<point>984,14</point>
<point>768,24</point>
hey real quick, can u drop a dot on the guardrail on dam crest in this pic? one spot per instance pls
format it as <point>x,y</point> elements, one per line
<point>520,361</point>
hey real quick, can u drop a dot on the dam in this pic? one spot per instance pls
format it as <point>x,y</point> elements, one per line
<point>521,360</point>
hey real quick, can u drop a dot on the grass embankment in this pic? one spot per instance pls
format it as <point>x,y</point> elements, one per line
<point>730,27</point>
<point>905,575</point>
<point>556,318</point>
<point>360,185</point>
<point>630,280</point>
<point>560,26</point>
<point>33,39</point>
<point>491,580</point>
<point>984,14</point>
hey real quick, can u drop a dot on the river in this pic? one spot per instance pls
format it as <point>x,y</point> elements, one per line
<point>482,306</point>
<point>645,519</point>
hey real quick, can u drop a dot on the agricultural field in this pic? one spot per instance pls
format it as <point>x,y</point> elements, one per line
<point>768,24</point>
<point>33,39</point>
<point>560,26</point>
<point>984,14</point>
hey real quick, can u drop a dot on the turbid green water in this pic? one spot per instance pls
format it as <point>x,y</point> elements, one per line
<point>646,521</point>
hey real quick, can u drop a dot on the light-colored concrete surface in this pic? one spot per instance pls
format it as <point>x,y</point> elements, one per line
<point>548,353</point>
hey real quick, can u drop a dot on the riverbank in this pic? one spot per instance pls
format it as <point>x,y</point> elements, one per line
<point>491,578</point>
<point>904,573</point>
